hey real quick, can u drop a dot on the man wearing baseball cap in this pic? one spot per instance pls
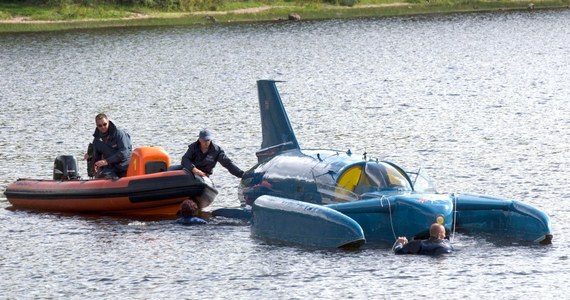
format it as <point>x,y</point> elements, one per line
<point>202,156</point>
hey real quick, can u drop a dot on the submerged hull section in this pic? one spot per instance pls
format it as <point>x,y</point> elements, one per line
<point>152,194</point>
<point>290,221</point>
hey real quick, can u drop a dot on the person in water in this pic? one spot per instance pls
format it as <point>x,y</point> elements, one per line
<point>112,149</point>
<point>202,156</point>
<point>435,245</point>
<point>190,213</point>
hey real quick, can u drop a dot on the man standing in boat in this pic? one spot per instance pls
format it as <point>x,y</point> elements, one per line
<point>435,245</point>
<point>202,156</point>
<point>111,149</point>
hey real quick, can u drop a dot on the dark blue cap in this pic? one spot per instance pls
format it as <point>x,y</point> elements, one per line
<point>205,135</point>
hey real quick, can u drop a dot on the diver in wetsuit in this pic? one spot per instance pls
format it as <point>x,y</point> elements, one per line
<point>435,245</point>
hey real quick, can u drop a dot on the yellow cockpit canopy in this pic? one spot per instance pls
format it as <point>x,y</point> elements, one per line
<point>368,177</point>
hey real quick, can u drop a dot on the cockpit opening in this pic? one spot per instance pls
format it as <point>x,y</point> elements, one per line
<point>371,176</point>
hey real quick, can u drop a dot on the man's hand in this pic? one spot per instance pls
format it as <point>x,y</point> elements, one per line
<point>101,163</point>
<point>198,172</point>
<point>402,240</point>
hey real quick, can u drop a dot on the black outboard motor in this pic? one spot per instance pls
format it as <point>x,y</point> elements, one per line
<point>65,168</point>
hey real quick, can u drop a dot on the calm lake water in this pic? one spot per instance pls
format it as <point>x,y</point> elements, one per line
<point>478,100</point>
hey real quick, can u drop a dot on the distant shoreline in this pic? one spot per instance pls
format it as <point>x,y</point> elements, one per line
<point>269,13</point>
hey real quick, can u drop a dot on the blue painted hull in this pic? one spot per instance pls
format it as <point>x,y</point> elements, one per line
<point>510,219</point>
<point>290,221</point>
<point>384,219</point>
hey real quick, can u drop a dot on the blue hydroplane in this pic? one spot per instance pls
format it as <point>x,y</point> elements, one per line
<point>329,198</point>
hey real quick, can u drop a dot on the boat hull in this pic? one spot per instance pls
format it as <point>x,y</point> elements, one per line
<point>152,194</point>
<point>384,219</point>
<point>502,218</point>
<point>379,196</point>
<point>291,221</point>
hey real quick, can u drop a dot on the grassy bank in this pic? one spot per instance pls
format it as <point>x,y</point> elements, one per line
<point>19,16</point>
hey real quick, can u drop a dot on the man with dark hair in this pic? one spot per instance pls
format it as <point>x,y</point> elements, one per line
<point>111,149</point>
<point>202,156</point>
<point>190,213</point>
<point>435,245</point>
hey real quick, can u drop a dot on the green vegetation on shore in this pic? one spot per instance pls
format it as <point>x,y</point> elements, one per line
<point>50,15</point>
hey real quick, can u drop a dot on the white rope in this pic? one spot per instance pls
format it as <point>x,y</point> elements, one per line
<point>391,220</point>
<point>454,216</point>
<point>390,210</point>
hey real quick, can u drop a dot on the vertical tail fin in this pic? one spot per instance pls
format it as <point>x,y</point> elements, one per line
<point>276,129</point>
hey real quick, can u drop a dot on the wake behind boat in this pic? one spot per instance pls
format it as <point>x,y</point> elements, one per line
<point>149,189</point>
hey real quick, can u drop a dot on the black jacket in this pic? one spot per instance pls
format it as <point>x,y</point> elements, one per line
<point>115,147</point>
<point>207,161</point>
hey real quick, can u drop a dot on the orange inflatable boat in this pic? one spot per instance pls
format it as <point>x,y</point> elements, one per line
<point>150,189</point>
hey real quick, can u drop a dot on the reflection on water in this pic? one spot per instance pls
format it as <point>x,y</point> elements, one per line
<point>477,100</point>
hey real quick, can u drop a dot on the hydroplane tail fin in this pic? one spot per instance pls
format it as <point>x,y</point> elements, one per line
<point>276,129</point>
